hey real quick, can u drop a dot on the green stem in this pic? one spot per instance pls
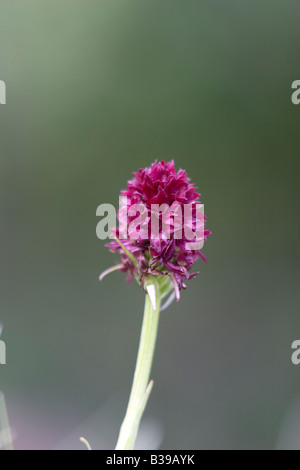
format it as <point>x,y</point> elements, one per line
<point>141,388</point>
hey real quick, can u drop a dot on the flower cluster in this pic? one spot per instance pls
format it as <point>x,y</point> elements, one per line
<point>169,256</point>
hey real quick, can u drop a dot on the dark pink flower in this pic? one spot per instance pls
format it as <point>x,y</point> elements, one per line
<point>164,255</point>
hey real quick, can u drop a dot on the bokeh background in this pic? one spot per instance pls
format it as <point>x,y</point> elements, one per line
<point>95,90</point>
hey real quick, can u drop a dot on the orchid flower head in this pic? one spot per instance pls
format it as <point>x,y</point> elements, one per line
<point>167,256</point>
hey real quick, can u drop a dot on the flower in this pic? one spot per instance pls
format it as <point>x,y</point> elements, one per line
<point>169,257</point>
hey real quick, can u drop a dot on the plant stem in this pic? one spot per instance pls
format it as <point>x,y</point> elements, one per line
<point>141,388</point>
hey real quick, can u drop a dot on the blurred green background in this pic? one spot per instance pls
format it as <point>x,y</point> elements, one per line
<point>95,90</point>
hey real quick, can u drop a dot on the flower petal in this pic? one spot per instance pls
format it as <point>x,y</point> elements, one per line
<point>110,270</point>
<point>168,302</point>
